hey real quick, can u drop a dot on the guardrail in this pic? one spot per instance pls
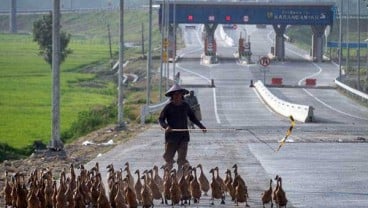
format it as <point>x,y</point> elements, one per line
<point>352,92</point>
<point>302,113</point>
<point>148,109</point>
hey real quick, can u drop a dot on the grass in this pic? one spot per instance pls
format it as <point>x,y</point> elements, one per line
<point>25,89</point>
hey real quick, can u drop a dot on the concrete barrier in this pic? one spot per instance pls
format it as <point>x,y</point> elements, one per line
<point>310,82</point>
<point>276,81</point>
<point>302,113</point>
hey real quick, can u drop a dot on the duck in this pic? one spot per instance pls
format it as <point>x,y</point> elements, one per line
<point>77,196</point>
<point>102,201</point>
<point>54,193</point>
<point>110,175</point>
<point>130,196</point>
<point>21,191</point>
<point>237,177</point>
<point>73,178</point>
<point>158,179</point>
<point>184,185</point>
<point>32,199</point>
<point>7,191</point>
<point>203,181</point>
<point>229,184</point>
<point>266,196</point>
<point>119,198</point>
<point>154,187</point>
<point>14,192</point>
<point>94,190</point>
<point>175,194</point>
<point>84,186</point>
<point>146,193</point>
<point>60,196</point>
<point>129,174</point>
<point>112,193</point>
<point>138,187</point>
<point>221,182</point>
<point>69,192</point>
<point>215,188</point>
<point>48,188</point>
<point>241,194</point>
<point>281,199</point>
<point>167,184</point>
<point>195,187</point>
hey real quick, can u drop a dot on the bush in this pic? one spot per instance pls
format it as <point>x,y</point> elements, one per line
<point>91,120</point>
<point>10,153</point>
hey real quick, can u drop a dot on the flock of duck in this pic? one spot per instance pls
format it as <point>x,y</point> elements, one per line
<point>40,189</point>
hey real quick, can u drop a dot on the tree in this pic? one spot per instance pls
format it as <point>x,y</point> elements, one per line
<point>42,34</point>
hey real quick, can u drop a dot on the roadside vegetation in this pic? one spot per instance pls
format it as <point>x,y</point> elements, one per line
<point>88,84</point>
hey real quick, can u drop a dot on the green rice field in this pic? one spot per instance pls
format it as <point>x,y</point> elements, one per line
<point>26,84</point>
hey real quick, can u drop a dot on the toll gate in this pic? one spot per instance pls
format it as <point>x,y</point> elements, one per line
<point>279,15</point>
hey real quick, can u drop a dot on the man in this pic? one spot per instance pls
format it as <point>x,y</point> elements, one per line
<point>173,119</point>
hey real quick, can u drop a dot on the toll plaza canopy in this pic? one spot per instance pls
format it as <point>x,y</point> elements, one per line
<point>197,12</point>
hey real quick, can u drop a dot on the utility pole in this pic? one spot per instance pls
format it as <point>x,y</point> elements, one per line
<point>121,123</point>
<point>13,17</point>
<point>347,36</point>
<point>174,40</point>
<point>149,57</point>
<point>56,143</point>
<point>143,40</point>
<point>162,48</point>
<point>358,52</point>
<point>340,38</point>
<point>109,34</point>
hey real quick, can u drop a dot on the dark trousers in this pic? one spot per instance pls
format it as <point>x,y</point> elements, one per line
<point>171,148</point>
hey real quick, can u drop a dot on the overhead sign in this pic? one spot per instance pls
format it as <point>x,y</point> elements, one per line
<point>265,61</point>
<point>198,12</point>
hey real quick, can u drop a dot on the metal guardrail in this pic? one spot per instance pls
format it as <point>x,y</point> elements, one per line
<point>353,92</point>
<point>148,109</point>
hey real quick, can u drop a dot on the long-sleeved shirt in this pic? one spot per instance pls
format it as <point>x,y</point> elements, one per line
<point>175,116</point>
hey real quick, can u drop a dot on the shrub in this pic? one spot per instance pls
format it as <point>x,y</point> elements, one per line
<point>90,120</point>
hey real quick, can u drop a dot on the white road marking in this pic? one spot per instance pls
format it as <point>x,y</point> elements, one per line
<point>215,106</point>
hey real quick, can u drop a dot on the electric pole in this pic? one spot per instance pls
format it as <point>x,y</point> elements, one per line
<point>149,57</point>
<point>56,143</point>
<point>13,17</point>
<point>121,123</point>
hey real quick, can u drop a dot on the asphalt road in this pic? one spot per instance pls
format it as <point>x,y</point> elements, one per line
<point>322,165</point>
